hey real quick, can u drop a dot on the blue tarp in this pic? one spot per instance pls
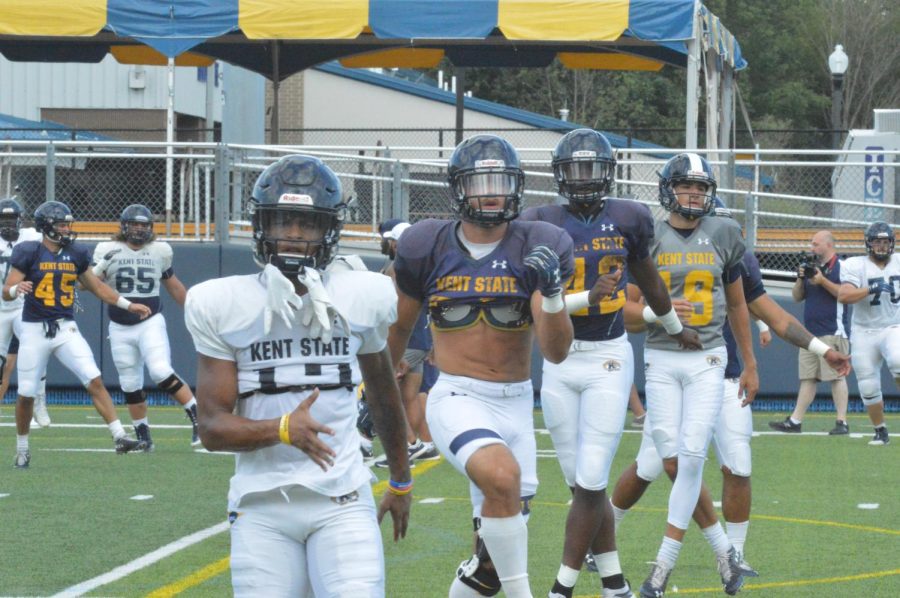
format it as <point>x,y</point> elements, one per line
<point>20,129</point>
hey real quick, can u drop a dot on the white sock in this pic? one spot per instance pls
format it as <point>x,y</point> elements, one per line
<point>716,537</point>
<point>737,534</point>
<point>137,422</point>
<point>608,564</point>
<point>668,551</point>
<point>618,514</point>
<point>460,590</point>
<point>116,429</point>
<point>21,443</point>
<point>187,406</point>
<point>506,539</point>
<point>794,421</point>
<point>567,576</point>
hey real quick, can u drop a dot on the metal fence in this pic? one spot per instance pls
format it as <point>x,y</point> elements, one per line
<point>781,197</point>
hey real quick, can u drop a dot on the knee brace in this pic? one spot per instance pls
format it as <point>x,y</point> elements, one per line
<point>595,462</point>
<point>135,397</point>
<point>478,572</point>
<point>172,384</point>
<point>870,389</point>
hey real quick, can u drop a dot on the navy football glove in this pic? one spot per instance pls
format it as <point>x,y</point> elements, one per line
<point>545,264</point>
<point>880,286</point>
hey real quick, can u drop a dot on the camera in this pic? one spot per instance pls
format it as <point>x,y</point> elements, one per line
<point>810,265</point>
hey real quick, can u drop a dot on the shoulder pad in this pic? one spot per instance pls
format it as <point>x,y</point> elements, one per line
<point>366,299</point>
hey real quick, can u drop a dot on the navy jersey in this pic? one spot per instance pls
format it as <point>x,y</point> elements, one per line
<point>822,314</point>
<point>622,232</point>
<point>432,265</point>
<point>53,277</point>
<point>751,278</point>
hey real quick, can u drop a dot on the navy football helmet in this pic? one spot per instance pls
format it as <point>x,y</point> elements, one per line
<point>875,231</point>
<point>682,168</point>
<point>482,168</point>
<point>299,191</point>
<point>584,166</point>
<point>136,214</point>
<point>10,219</point>
<point>49,215</point>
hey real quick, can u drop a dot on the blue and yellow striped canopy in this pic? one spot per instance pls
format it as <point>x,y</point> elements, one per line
<point>647,31</point>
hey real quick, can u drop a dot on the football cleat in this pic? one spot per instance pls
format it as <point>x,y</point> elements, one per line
<point>368,454</point>
<point>23,458</point>
<point>840,429</point>
<point>415,452</point>
<point>619,593</point>
<point>429,454</point>
<point>589,563</point>
<point>746,569</point>
<point>638,422</point>
<point>655,584</point>
<point>881,437</point>
<point>142,431</point>
<point>40,411</point>
<point>730,571</point>
<point>473,573</point>
<point>124,444</point>
<point>786,426</point>
<point>195,428</point>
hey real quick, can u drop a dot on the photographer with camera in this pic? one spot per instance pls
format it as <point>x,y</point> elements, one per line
<point>818,282</point>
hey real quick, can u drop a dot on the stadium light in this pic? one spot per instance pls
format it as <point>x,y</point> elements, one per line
<point>837,64</point>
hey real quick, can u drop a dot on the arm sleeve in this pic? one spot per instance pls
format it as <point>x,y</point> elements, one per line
<point>752,278</point>
<point>640,236</point>
<point>202,326</point>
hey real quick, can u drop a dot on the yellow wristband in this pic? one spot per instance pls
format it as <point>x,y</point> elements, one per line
<point>284,428</point>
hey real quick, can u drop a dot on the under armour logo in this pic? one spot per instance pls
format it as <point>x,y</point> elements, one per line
<point>66,258</point>
<point>702,241</point>
<point>607,227</point>
<point>498,264</point>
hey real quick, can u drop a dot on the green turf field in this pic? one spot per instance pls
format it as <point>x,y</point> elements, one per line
<point>72,519</point>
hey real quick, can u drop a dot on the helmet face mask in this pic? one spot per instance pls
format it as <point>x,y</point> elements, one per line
<point>297,211</point>
<point>54,219</point>
<point>584,167</point>
<point>681,170</point>
<point>136,225</point>
<point>486,181</point>
<point>880,241</point>
<point>10,219</point>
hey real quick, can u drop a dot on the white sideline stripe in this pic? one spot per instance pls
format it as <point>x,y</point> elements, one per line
<point>867,505</point>
<point>142,497</point>
<point>104,426</point>
<point>3,495</point>
<point>431,501</point>
<point>142,562</point>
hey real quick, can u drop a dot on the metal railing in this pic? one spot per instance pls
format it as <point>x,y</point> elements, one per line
<point>781,197</point>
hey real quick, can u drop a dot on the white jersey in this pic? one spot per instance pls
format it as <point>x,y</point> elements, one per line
<point>25,234</point>
<point>881,309</point>
<point>276,372</point>
<point>134,273</point>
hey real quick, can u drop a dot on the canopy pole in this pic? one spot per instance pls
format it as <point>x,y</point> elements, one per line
<point>276,86</point>
<point>460,105</point>
<point>692,107</point>
<point>711,72</point>
<point>726,107</point>
<point>170,139</point>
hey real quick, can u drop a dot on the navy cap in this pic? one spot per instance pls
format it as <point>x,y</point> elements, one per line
<point>388,225</point>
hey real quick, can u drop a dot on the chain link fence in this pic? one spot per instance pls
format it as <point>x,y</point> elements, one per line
<point>781,197</point>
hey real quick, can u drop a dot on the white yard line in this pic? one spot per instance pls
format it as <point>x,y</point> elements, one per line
<point>104,426</point>
<point>142,562</point>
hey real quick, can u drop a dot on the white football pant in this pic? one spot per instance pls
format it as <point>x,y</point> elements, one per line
<point>146,342</point>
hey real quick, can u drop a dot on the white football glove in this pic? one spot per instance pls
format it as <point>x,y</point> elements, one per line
<point>318,312</point>
<point>281,298</point>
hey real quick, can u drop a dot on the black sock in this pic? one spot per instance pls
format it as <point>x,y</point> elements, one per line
<point>614,582</point>
<point>562,590</point>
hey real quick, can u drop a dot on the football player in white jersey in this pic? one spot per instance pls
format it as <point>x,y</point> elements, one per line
<point>11,234</point>
<point>280,353</point>
<point>700,260</point>
<point>136,264</point>
<point>871,283</point>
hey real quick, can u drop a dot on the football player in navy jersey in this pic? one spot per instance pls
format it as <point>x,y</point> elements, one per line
<point>585,398</point>
<point>45,272</point>
<point>491,283</point>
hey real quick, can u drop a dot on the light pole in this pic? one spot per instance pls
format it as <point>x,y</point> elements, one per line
<point>837,64</point>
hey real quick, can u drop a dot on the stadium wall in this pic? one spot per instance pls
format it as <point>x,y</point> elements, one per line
<point>195,262</point>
